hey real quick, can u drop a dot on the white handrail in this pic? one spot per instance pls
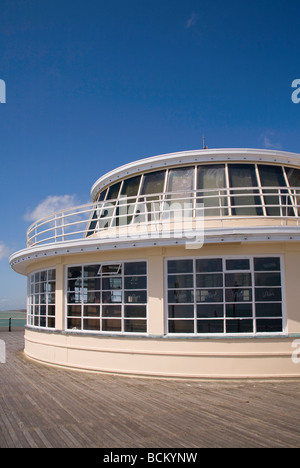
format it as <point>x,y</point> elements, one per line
<point>281,203</point>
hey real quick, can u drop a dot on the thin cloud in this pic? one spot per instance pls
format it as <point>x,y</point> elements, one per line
<point>4,250</point>
<point>50,205</point>
<point>271,141</point>
<point>191,21</point>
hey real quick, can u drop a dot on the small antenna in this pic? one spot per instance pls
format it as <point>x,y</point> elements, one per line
<point>204,147</point>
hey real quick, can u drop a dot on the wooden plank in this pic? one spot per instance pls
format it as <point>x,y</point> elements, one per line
<point>44,406</point>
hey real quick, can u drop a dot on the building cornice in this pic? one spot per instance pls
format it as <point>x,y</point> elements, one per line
<point>20,260</point>
<point>195,156</point>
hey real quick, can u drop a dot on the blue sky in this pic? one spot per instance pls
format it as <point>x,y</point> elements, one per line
<point>91,85</point>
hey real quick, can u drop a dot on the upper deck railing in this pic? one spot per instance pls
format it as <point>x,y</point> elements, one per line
<point>146,212</point>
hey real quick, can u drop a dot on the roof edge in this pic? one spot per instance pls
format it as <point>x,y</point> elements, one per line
<point>184,157</point>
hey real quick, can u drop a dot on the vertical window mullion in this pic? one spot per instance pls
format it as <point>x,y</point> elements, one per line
<point>253,295</point>
<point>260,191</point>
<point>224,294</point>
<point>122,299</point>
<point>228,189</point>
<point>195,297</point>
<point>290,196</point>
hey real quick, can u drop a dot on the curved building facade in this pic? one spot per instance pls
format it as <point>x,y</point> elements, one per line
<point>183,265</point>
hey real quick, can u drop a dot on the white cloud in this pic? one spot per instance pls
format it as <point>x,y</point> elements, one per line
<point>50,205</point>
<point>191,21</point>
<point>271,141</point>
<point>4,250</point>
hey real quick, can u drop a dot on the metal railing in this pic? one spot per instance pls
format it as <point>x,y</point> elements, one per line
<point>144,211</point>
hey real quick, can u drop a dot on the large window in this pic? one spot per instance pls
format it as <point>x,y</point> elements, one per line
<point>107,297</point>
<point>225,296</point>
<point>228,189</point>
<point>41,299</point>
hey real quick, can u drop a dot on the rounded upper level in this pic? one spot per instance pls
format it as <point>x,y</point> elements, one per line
<point>141,174</point>
<point>192,197</point>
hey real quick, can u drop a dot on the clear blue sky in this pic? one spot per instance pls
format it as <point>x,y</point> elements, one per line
<point>94,84</point>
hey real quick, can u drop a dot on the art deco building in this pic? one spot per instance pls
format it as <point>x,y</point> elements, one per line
<point>184,265</point>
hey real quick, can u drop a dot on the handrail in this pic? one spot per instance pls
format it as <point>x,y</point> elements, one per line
<point>75,223</point>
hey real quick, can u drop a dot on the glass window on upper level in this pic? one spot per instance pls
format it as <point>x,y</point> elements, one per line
<point>153,182</point>
<point>244,202</point>
<point>211,183</point>
<point>224,189</point>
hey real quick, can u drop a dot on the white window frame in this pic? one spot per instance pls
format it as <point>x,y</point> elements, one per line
<point>30,316</point>
<point>122,304</point>
<point>253,302</point>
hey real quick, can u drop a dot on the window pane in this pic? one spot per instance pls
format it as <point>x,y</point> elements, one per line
<point>267,264</point>
<point>293,176</point>
<point>267,279</point>
<point>239,310</point>
<point>74,311</point>
<point>210,310</point>
<point>135,296</point>
<point>181,326</point>
<point>111,296</point>
<point>244,175</point>
<point>74,324</point>
<point>111,311</point>
<point>180,266</point>
<point>180,179</point>
<point>238,279</point>
<point>209,280</point>
<point>181,296</point>
<point>209,295</point>
<point>135,282</point>
<point>91,324</point>
<point>91,271</point>
<point>268,294</point>
<point>238,295</point>
<point>181,311</point>
<point>131,186</point>
<point>112,325</point>
<point>238,264</point>
<point>209,265</point>
<point>239,326</point>
<point>74,272</point>
<point>210,326</point>
<point>209,178</point>
<point>180,281</point>
<point>153,182</point>
<point>271,176</point>
<point>113,191</point>
<point>136,311</point>
<point>135,326</point>
<point>135,268</point>
<point>269,326</point>
<point>269,309</point>
<point>91,311</point>
<point>109,283</point>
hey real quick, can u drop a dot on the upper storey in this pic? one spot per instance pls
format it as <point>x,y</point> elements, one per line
<point>239,194</point>
<point>190,158</point>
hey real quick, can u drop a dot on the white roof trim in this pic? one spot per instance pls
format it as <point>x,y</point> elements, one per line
<point>195,156</point>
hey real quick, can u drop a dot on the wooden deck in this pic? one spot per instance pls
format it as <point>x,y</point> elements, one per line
<point>43,406</point>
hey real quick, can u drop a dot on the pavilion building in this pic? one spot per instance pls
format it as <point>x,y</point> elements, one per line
<point>183,265</point>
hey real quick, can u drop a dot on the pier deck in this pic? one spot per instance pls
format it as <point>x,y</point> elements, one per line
<point>43,406</point>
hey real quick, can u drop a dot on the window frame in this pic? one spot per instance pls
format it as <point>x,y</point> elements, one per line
<point>31,316</point>
<point>82,303</point>
<point>253,302</point>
